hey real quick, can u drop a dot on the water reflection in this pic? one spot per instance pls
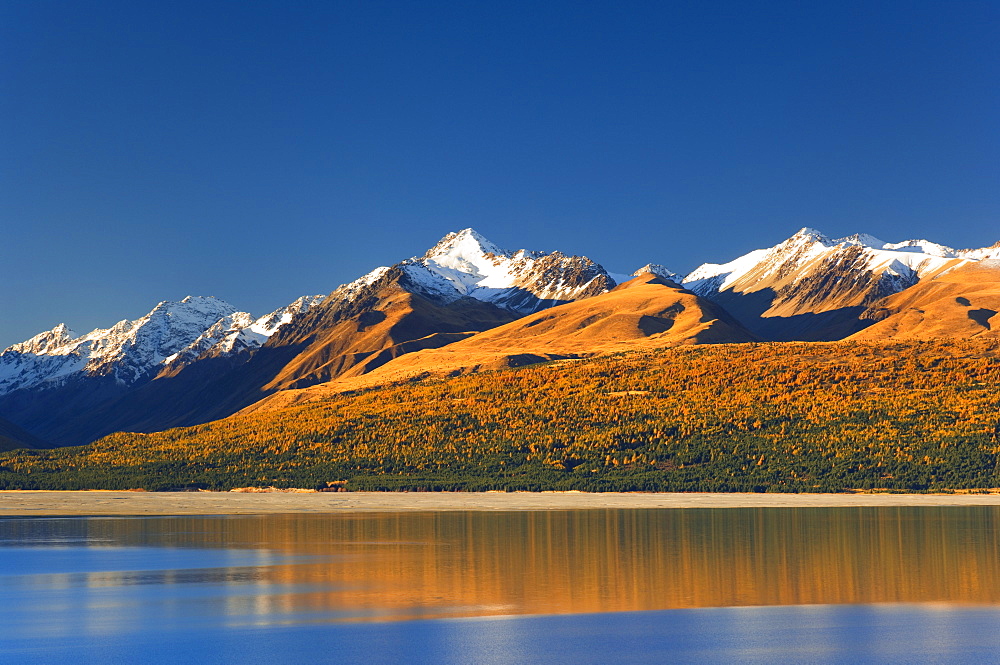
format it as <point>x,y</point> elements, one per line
<point>294,569</point>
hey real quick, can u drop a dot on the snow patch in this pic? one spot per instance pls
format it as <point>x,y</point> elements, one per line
<point>810,250</point>
<point>172,332</point>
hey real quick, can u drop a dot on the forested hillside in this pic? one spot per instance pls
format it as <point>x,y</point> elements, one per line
<point>796,417</point>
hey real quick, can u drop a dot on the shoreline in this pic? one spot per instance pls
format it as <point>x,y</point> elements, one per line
<point>44,503</point>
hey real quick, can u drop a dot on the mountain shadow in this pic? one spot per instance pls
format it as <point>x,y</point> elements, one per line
<point>823,326</point>
<point>350,334</point>
<point>646,312</point>
<point>13,437</point>
<point>962,304</point>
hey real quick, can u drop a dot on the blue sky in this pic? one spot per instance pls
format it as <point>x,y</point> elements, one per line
<point>257,151</point>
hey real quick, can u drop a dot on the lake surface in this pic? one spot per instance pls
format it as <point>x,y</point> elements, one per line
<point>823,585</point>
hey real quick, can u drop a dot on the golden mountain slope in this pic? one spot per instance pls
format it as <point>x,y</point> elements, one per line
<point>962,303</point>
<point>810,288</point>
<point>646,312</point>
<point>373,328</point>
<point>908,415</point>
<point>352,332</point>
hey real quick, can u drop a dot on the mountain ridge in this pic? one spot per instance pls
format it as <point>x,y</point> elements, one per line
<point>461,285</point>
<point>814,288</point>
<point>647,312</point>
<point>199,359</point>
<point>960,303</point>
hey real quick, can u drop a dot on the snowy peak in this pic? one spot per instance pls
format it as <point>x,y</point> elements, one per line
<point>808,235</point>
<point>467,264</point>
<point>223,336</point>
<point>46,342</point>
<point>922,247</point>
<point>131,349</point>
<point>127,352</point>
<point>659,271</point>
<point>466,259</point>
<point>240,332</point>
<point>268,324</point>
<point>984,254</point>
<point>810,252</point>
<point>862,239</point>
<point>808,286</point>
<point>467,245</point>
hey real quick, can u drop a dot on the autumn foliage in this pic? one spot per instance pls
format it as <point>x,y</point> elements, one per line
<point>793,417</point>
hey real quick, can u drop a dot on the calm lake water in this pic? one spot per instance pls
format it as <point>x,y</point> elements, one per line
<point>816,585</point>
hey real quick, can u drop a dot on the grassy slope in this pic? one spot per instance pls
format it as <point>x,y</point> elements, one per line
<point>784,417</point>
<point>962,304</point>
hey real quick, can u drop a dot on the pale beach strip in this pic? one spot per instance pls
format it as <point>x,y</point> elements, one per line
<point>100,503</point>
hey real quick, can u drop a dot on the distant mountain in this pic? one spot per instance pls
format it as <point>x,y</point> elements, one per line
<point>57,377</point>
<point>962,303</point>
<point>465,304</point>
<point>237,333</point>
<point>125,352</point>
<point>811,287</point>
<point>465,264</point>
<point>658,270</point>
<point>203,360</point>
<point>172,334</point>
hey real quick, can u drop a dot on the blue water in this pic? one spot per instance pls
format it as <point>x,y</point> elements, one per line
<point>288,589</point>
<point>784,634</point>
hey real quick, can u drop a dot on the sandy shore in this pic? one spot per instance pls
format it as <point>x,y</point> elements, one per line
<point>225,503</point>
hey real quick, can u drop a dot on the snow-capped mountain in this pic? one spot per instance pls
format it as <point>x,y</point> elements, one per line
<point>465,264</point>
<point>173,332</point>
<point>991,253</point>
<point>238,332</point>
<point>125,351</point>
<point>200,359</point>
<point>72,389</point>
<point>268,324</point>
<point>659,271</point>
<point>809,252</point>
<point>461,285</point>
<point>811,274</point>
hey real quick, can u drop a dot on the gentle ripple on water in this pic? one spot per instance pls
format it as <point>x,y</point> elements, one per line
<point>815,583</point>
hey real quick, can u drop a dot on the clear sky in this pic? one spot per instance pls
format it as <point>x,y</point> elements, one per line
<point>258,151</point>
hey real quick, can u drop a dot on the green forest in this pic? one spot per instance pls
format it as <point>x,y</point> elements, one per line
<point>781,417</point>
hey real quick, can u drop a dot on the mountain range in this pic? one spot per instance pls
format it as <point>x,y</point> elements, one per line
<point>467,305</point>
<point>811,287</point>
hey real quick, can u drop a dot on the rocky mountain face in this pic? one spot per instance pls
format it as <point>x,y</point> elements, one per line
<point>57,378</point>
<point>200,359</point>
<point>811,287</point>
<point>463,285</point>
<point>465,264</point>
<point>643,313</point>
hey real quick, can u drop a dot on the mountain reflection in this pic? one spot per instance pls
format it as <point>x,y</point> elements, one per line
<point>409,565</point>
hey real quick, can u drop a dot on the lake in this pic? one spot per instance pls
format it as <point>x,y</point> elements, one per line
<point>817,585</point>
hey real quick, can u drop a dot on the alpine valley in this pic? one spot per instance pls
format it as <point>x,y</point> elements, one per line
<point>815,364</point>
